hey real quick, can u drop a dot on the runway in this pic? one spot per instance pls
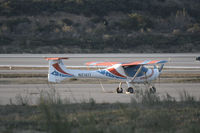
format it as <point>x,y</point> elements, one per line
<point>11,92</point>
<point>78,93</point>
<point>177,63</point>
<point>186,59</point>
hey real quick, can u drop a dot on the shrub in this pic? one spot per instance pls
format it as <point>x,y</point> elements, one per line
<point>68,21</point>
<point>5,40</point>
<point>136,22</point>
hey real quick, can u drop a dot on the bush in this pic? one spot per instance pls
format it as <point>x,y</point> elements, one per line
<point>136,22</point>
<point>95,7</point>
<point>67,21</point>
<point>13,23</point>
<point>5,40</point>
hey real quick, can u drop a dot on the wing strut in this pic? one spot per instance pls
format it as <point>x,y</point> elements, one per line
<point>138,71</point>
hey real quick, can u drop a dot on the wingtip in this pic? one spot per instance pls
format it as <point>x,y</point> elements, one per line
<point>163,61</point>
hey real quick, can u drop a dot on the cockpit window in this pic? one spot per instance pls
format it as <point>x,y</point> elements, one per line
<point>131,70</point>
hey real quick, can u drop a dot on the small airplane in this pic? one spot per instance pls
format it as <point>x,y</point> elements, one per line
<point>131,72</point>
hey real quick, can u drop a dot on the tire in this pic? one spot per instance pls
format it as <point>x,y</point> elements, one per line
<point>130,90</point>
<point>152,89</point>
<point>119,90</point>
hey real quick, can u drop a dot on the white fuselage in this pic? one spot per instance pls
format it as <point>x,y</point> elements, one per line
<point>131,74</point>
<point>150,75</point>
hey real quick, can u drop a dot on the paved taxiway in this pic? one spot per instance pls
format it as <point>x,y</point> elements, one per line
<point>83,92</point>
<point>186,59</point>
<point>186,62</point>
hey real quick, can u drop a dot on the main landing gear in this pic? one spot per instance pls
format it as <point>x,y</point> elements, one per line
<point>120,90</point>
<point>152,88</point>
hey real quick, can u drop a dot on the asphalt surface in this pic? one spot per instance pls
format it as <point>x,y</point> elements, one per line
<point>77,93</point>
<point>186,59</point>
<point>12,93</point>
<point>185,63</point>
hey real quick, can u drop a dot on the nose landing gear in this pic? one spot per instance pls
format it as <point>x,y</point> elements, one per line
<point>151,88</point>
<point>130,90</point>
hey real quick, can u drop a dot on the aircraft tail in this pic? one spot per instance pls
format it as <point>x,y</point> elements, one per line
<point>57,70</point>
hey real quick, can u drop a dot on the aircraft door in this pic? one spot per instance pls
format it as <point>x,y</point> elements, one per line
<point>130,71</point>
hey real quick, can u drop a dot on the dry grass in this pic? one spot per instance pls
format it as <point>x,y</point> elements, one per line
<point>44,80</point>
<point>146,113</point>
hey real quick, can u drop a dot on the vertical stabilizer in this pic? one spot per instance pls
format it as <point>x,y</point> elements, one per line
<point>57,70</point>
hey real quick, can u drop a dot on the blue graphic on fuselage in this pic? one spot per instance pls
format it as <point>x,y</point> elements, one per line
<point>108,74</point>
<point>55,73</point>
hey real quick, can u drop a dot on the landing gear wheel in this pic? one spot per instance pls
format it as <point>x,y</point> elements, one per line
<point>119,90</point>
<point>152,89</point>
<point>130,90</point>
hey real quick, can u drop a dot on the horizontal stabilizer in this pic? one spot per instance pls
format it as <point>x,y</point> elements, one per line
<point>56,58</point>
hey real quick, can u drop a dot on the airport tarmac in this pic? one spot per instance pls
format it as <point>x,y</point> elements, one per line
<point>77,93</point>
<point>11,93</point>
<point>185,59</point>
<point>182,63</point>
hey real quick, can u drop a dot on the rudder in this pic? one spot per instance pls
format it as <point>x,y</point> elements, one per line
<point>57,70</point>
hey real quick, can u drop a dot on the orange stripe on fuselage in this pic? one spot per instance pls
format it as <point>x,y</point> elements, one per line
<point>57,67</point>
<point>114,71</point>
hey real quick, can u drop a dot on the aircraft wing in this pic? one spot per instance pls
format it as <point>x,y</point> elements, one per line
<point>106,64</point>
<point>147,62</point>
